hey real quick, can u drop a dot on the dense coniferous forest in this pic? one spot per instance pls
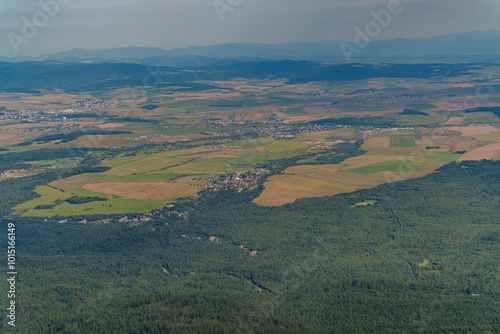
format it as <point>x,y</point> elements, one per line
<point>494,110</point>
<point>29,77</point>
<point>422,258</point>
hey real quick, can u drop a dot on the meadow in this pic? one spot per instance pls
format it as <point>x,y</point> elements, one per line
<point>377,142</point>
<point>406,140</point>
<point>113,205</point>
<point>365,171</point>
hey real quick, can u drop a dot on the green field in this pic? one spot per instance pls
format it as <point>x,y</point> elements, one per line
<point>149,177</point>
<point>413,120</point>
<point>445,157</point>
<point>423,264</point>
<point>389,166</point>
<point>157,169</point>
<point>407,140</point>
<point>405,159</point>
<point>305,161</point>
<point>164,166</point>
<point>253,143</point>
<point>111,206</point>
<point>428,155</point>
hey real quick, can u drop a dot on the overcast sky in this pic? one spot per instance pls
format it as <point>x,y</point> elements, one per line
<point>168,24</point>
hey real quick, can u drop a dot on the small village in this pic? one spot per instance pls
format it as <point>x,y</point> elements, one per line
<point>236,181</point>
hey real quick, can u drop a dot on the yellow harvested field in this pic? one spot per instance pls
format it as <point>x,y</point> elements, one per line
<point>493,137</point>
<point>55,97</point>
<point>70,182</point>
<point>328,180</point>
<point>173,139</point>
<point>445,105</point>
<point>222,154</point>
<point>28,98</point>
<point>149,191</point>
<point>7,135</point>
<point>99,141</point>
<point>259,110</point>
<point>323,135</point>
<point>110,125</point>
<point>12,137</point>
<point>203,96</point>
<point>462,144</point>
<point>284,189</point>
<point>491,151</point>
<point>315,181</point>
<point>302,88</point>
<point>367,159</point>
<point>454,120</point>
<point>303,119</point>
<point>470,131</point>
<point>252,116</point>
<point>140,165</point>
<point>233,83</point>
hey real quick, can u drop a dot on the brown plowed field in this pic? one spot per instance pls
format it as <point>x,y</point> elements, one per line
<point>491,151</point>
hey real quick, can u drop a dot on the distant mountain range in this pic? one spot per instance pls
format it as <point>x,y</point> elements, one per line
<point>465,47</point>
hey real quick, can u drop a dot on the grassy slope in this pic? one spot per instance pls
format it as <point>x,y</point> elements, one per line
<point>112,205</point>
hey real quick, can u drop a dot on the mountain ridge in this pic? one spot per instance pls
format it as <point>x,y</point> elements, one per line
<point>458,46</point>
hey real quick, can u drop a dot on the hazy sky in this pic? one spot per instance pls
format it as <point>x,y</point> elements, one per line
<point>180,23</point>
